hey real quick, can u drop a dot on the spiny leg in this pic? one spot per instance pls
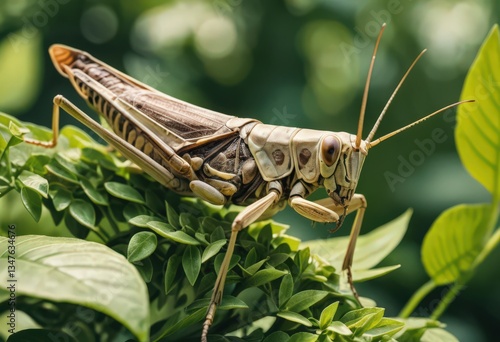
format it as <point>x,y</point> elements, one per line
<point>243,220</point>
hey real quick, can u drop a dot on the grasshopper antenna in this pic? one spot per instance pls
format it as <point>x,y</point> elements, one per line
<point>381,116</point>
<point>367,86</point>
<point>387,136</point>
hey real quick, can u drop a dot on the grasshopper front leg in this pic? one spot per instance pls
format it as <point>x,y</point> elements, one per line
<point>357,203</point>
<point>249,215</point>
<point>325,210</point>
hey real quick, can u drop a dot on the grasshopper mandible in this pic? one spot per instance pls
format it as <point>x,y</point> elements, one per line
<point>222,158</point>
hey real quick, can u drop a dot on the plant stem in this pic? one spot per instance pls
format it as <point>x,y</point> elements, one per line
<point>448,298</point>
<point>417,298</point>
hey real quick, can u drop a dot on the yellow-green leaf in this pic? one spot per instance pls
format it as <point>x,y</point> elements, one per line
<point>478,124</point>
<point>454,241</point>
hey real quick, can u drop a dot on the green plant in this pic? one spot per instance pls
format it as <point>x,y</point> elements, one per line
<point>151,269</point>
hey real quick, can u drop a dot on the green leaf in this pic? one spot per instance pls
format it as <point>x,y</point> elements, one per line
<point>327,314</point>
<point>172,216</point>
<point>277,336</point>
<point>95,196</point>
<point>364,275</point>
<point>32,201</point>
<point>477,134</point>
<point>191,263</point>
<point>263,277</point>
<point>212,249</point>
<point>294,317</point>
<point>454,241</point>
<point>362,320</point>
<point>386,327</point>
<point>35,182</point>
<point>305,299</point>
<point>303,337</point>
<point>80,272</point>
<point>231,302</point>
<point>286,290</point>
<point>141,245</point>
<point>371,248</point>
<point>83,212</point>
<point>61,198</point>
<point>339,328</point>
<point>142,220</point>
<point>161,229</point>
<point>170,272</point>
<point>124,191</point>
<point>57,170</point>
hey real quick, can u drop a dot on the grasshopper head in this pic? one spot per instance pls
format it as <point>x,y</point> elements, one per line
<point>341,162</point>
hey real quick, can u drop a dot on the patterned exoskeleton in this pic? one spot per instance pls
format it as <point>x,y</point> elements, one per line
<point>221,158</point>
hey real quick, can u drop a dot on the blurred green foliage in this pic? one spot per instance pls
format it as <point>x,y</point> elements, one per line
<point>292,62</point>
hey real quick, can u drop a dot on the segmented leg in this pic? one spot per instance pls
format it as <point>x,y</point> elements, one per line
<point>155,170</point>
<point>243,220</point>
<point>358,202</point>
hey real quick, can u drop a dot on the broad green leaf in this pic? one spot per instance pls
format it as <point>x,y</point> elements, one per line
<point>95,196</point>
<point>303,337</point>
<point>21,65</point>
<point>162,229</point>
<point>371,248</point>
<point>364,275</point>
<point>83,212</point>
<point>35,182</point>
<point>37,162</point>
<point>143,220</point>
<point>438,335</point>
<point>32,201</point>
<point>231,302</point>
<point>339,328</point>
<point>263,277</point>
<point>124,191</point>
<point>286,290</point>
<point>171,271</point>
<point>386,327</point>
<point>80,272</point>
<point>362,320</point>
<point>250,270</point>
<point>172,216</point>
<point>294,317</point>
<point>141,245</point>
<point>454,241</point>
<point>478,124</point>
<point>327,314</point>
<point>61,198</point>
<point>305,299</point>
<point>191,263</point>
<point>57,170</point>
<point>277,336</point>
<point>212,249</point>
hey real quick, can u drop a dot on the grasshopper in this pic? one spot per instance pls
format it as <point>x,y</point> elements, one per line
<point>224,159</point>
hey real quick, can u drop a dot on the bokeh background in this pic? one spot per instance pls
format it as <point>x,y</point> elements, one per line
<point>297,63</point>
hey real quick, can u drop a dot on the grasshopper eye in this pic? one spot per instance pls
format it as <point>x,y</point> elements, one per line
<point>330,149</point>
